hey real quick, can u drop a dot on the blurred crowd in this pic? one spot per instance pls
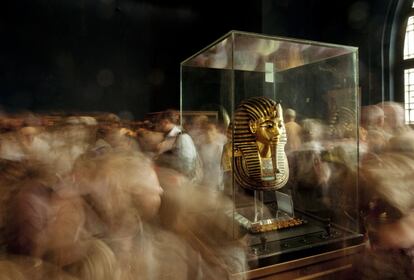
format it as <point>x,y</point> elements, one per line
<point>98,197</point>
<point>386,192</point>
<point>88,197</point>
<point>369,189</point>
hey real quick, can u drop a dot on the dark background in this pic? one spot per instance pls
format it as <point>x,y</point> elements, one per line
<point>123,56</point>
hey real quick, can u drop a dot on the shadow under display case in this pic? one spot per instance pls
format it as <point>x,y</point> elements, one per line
<point>289,110</point>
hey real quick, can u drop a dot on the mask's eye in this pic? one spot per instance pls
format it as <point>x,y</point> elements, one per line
<point>267,125</point>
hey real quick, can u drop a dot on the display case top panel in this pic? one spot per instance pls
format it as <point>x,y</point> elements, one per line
<point>250,52</point>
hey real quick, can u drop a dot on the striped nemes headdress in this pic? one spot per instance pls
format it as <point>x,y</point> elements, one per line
<point>247,164</point>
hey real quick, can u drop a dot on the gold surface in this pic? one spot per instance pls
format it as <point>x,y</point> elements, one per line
<point>256,150</point>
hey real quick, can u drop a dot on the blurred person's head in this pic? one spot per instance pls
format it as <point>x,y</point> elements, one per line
<point>117,137</point>
<point>167,120</point>
<point>372,116</point>
<point>29,213</point>
<point>311,170</point>
<point>109,119</point>
<point>118,181</point>
<point>377,141</point>
<point>199,122</point>
<point>211,133</point>
<point>99,262</point>
<point>26,134</point>
<point>65,143</point>
<point>388,199</point>
<point>148,140</point>
<point>13,123</point>
<point>312,130</point>
<point>394,116</point>
<point>290,115</point>
<point>12,173</point>
<point>39,222</point>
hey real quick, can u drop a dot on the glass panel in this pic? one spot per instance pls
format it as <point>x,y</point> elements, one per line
<point>316,83</point>
<point>409,95</point>
<point>217,55</point>
<point>409,39</point>
<point>251,51</point>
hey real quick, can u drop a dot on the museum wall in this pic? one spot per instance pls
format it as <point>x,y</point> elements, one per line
<point>372,26</point>
<point>123,55</point>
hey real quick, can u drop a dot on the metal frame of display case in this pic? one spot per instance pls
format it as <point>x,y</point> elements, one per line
<point>331,264</point>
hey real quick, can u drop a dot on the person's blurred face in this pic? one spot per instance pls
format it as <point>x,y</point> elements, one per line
<point>165,125</point>
<point>27,134</point>
<point>394,116</point>
<point>211,133</point>
<point>396,235</point>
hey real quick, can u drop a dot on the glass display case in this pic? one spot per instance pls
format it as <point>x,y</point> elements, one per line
<point>289,111</point>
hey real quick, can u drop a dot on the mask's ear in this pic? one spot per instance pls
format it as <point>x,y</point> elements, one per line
<point>253,127</point>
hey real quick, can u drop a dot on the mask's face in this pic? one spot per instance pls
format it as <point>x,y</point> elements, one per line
<point>268,130</point>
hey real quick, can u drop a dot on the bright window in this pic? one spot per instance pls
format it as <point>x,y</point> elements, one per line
<point>408,69</point>
<point>409,94</point>
<point>409,39</point>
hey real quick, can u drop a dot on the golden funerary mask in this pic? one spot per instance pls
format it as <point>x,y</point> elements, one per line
<point>258,143</point>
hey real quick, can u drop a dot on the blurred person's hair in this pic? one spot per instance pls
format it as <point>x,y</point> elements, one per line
<point>148,140</point>
<point>108,118</point>
<point>12,173</point>
<point>200,120</point>
<point>99,263</point>
<point>170,115</point>
<point>394,121</point>
<point>312,129</point>
<point>290,113</point>
<point>10,271</point>
<point>28,211</point>
<point>372,116</point>
<point>118,137</point>
<point>114,182</point>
